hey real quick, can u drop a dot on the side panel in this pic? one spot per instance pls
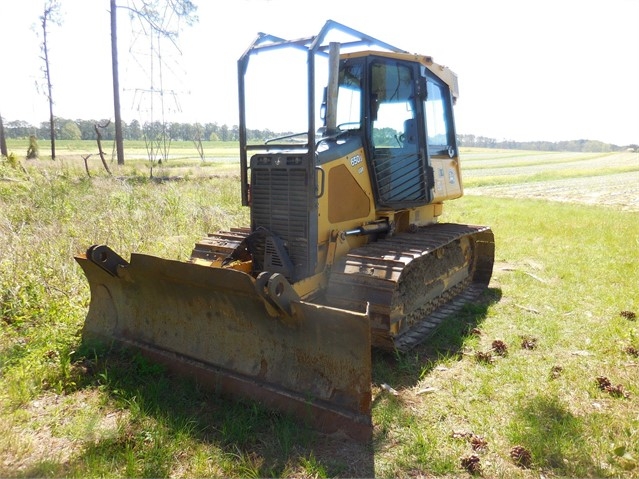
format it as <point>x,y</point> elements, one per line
<point>347,201</point>
<point>346,198</point>
<point>448,183</point>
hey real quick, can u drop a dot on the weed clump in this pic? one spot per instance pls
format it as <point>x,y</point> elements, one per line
<point>12,160</point>
<point>33,152</point>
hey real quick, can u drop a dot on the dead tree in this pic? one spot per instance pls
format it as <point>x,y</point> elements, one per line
<point>51,15</point>
<point>86,164</point>
<point>3,141</point>
<point>97,127</point>
<point>119,141</point>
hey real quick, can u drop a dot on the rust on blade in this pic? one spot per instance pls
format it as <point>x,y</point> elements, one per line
<point>212,324</point>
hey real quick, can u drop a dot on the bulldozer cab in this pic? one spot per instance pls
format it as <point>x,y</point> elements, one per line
<point>398,105</point>
<point>339,97</point>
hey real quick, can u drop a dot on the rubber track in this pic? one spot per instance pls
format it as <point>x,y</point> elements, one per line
<point>429,324</point>
<point>371,273</point>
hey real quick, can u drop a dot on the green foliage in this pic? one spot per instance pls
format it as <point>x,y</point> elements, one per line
<point>12,160</point>
<point>312,467</point>
<point>70,131</point>
<point>134,131</point>
<point>33,151</point>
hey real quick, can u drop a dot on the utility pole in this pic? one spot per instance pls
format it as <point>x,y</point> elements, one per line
<point>119,143</point>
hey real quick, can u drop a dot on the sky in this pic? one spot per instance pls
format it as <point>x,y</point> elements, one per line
<point>528,70</point>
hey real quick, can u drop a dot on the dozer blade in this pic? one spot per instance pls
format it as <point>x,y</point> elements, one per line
<point>212,324</point>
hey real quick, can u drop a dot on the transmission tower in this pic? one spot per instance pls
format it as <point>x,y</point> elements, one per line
<point>155,62</point>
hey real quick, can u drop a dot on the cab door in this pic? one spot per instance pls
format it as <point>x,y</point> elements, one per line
<point>396,133</point>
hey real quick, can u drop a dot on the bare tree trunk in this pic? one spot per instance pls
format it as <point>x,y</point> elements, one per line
<point>119,143</point>
<point>97,132</point>
<point>47,71</point>
<point>3,140</point>
<point>86,164</point>
<point>198,141</point>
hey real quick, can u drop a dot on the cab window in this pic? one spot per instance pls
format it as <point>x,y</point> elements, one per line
<point>440,134</point>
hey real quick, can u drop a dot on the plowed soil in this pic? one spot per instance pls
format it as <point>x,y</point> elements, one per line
<point>594,181</point>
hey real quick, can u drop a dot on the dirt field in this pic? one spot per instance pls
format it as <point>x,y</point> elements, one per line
<point>619,190</point>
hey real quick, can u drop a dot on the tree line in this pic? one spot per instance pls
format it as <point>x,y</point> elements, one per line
<point>66,129</point>
<point>567,145</point>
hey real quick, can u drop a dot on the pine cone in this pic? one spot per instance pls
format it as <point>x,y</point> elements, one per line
<point>631,315</point>
<point>484,357</point>
<point>632,351</point>
<point>475,332</point>
<point>556,371</point>
<point>603,382</point>
<point>471,464</point>
<point>616,391</point>
<point>478,443</point>
<point>521,456</point>
<point>528,342</point>
<point>500,348</point>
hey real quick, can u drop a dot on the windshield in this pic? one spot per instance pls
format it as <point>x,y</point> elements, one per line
<point>276,95</point>
<point>439,120</point>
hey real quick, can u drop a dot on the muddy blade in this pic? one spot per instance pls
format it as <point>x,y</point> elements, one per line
<point>210,323</point>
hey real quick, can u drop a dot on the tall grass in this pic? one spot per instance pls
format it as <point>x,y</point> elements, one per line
<point>563,276</point>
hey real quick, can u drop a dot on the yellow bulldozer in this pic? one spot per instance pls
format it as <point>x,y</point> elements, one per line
<point>343,254</point>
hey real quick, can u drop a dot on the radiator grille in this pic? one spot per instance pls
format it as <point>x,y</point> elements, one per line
<point>281,203</point>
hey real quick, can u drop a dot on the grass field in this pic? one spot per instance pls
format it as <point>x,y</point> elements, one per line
<point>515,386</point>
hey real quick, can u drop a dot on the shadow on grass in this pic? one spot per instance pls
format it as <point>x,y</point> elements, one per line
<point>173,427</point>
<point>402,370</point>
<point>170,427</point>
<point>554,437</point>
